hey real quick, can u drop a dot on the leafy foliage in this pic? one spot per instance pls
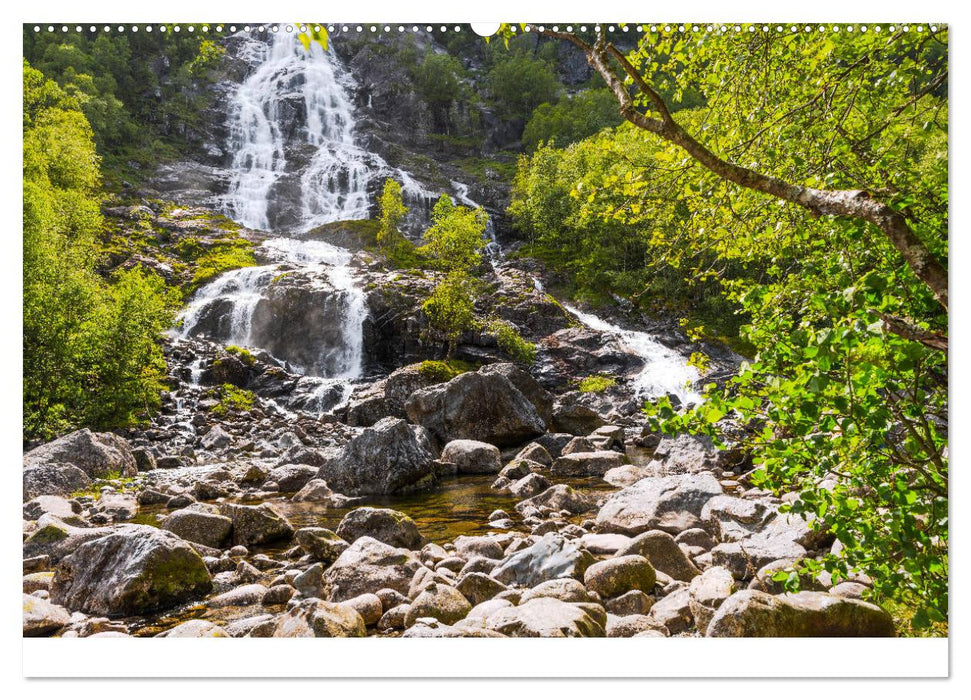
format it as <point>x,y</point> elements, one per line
<point>571,119</point>
<point>596,384</point>
<point>90,348</point>
<point>456,237</point>
<point>511,342</point>
<point>520,82</point>
<point>451,309</point>
<point>392,213</point>
<point>231,399</point>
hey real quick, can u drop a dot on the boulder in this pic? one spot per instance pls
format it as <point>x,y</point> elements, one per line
<point>316,491</point>
<point>576,419</point>
<point>534,452</point>
<point>476,406</point>
<point>317,618</point>
<point>670,503</point>
<point>617,575</point>
<point>444,603</point>
<point>472,457</point>
<point>478,587</point>
<point>57,506</point>
<point>216,439</point>
<point>673,611</point>
<point>200,524</point>
<point>367,566</point>
<point>545,617</point>
<point>806,614</point>
<point>569,590</point>
<point>134,570</point>
<point>560,497</point>
<point>528,486</point>
<point>55,539</point>
<point>249,594</point>
<point>706,594</point>
<point>368,606</point>
<point>553,556</point>
<point>98,455</point>
<point>687,454</point>
<point>383,524</point>
<point>256,524</point>
<point>321,544</point>
<point>54,479</point>
<point>664,554</point>
<point>587,463</point>
<point>292,477</point>
<point>389,457</point>
<point>43,618</point>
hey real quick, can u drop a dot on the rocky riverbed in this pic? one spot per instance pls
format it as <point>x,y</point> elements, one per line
<point>478,506</point>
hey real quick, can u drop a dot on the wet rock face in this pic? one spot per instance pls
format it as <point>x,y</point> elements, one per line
<point>135,570</point>
<point>476,406</point>
<point>806,614</point>
<point>96,454</point>
<point>390,457</point>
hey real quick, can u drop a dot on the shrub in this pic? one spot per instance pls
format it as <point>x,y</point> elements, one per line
<point>231,399</point>
<point>512,343</point>
<point>596,384</point>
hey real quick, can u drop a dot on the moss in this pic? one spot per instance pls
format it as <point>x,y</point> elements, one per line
<point>596,384</point>
<point>231,399</point>
<point>220,259</point>
<point>442,371</point>
<point>512,343</point>
<point>242,353</point>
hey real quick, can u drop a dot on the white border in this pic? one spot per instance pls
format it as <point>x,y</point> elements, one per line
<point>691,658</point>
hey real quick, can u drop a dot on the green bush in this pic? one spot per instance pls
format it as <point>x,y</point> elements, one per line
<point>231,399</point>
<point>512,343</point>
<point>596,384</point>
<point>571,119</point>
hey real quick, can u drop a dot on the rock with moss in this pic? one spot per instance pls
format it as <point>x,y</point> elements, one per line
<point>135,570</point>
<point>321,544</point>
<point>256,524</point>
<point>195,629</point>
<point>617,575</point>
<point>807,614</point>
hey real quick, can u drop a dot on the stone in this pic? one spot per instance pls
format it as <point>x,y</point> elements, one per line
<point>134,570</point>
<point>664,554</point>
<point>54,479</point>
<point>696,537</point>
<point>40,581</point>
<point>250,594</point>
<point>310,582</point>
<point>553,556</point>
<point>479,614</point>
<point>444,603</point>
<point>383,524</point>
<point>472,457</point>
<point>201,524</point>
<point>631,625</point>
<point>545,617</point>
<point>670,503</point>
<point>673,611</point>
<point>578,444</point>
<point>389,457</point>
<point>367,566</point>
<point>99,455</point>
<point>620,574</point>
<point>57,506</point>
<point>476,406</point>
<point>321,544</point>
<point>625,475</point>
<point>315,491</point>
<point>541,399</point>
<point>278,594</point>
<point>569,590</point>
<point>485,546</point>
<point>576,419</point>
<point>43,618</point>
<point>55,539</point>
<point>559,497</point>
<point>368,606</point>
<point>195,629</point>
<point>806,614</point>
<point>260,524</point>
<point>144,459</point>
<point>318,618</point>
<point>605,543</point>
<point>530,485</point>
<point>629,603</point>
<point>706,594</point>
<point>290,478</point>
<point>394,618</point>
<point>216,439</point>
<point>687,454</point>
<point>849,589</point>
<point>587,463</point>
<point>33,565</point>
<point>534,452</point>
<point>478,587</point>
<point>746,557</point>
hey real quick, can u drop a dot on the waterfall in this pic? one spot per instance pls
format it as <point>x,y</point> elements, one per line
<point>295,166</point>
<point>665,370</point>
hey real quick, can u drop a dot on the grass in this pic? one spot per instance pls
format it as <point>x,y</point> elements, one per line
<point>596,384</point>
<point>242,353</point>
<point>220,259</point>
<point>512,343</point>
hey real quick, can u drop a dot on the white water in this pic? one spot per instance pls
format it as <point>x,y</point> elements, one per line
<point>665,370</point>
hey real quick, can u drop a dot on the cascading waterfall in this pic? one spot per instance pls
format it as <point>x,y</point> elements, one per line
<point>665,370</point>
<point>294,102</point>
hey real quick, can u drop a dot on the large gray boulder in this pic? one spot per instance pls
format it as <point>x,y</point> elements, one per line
<point>53,479</point>
<point>587,463</point>
<point>368,566</point>
<point>389,457</point>
<point>96,454</point>
<point>670,503</point>
<point>134,570</point>
<point>318,618</point>
<point>560,497</point>
<point>383,524</point>
<point>806,614</point>
<point>480,406</point>
<point>553,556</point>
